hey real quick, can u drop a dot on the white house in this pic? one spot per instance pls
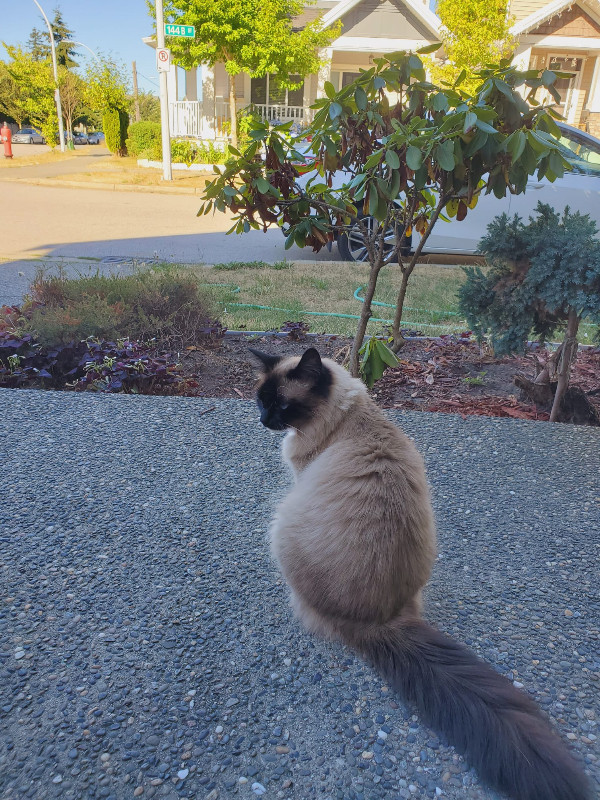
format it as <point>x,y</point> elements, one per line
<point>199,98</point>
<point>562,34</point>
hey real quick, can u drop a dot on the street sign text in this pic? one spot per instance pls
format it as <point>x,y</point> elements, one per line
<point>188,31</point>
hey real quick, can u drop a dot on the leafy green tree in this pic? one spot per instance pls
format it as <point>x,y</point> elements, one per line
<point>251,36</point>
<point>149,105</point>
<point>544,277</point>
<point>106,85</point>
<point>474,33</point>
<point>407,159</point>
<point>12,98</point>
<point>35,82</point>
<point>39,46</point>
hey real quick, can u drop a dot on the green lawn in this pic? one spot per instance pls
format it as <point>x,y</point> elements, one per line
<point>328,288</point>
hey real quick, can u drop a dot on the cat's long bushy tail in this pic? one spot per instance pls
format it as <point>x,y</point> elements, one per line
<point>499,730</point>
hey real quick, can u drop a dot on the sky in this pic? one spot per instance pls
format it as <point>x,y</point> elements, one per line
<point>113,27</point>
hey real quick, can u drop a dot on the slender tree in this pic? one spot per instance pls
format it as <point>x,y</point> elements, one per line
<point>251,36</point>
<point>405,161</point>
<point>72,96</point>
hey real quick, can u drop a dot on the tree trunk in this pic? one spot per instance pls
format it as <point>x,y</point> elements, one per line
<point>365,315</point>
<point>233,111</point>
<point>566,359</point>
<point>407,272</point>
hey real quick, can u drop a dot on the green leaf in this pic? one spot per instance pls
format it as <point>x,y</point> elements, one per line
<point>484,126</point>
<point>461,77</point>
<point>440,102</point>
<point>392,159</point>
<point>516,144</point>
<point>385,354</point>
<point>414,158</point>
<point>335,110</point>
<point>430,48</point>
<point>373,159</point>
<point>415,63</point>
<point>289,241</point>
<point>470,120</point>
<point>444,154</point>
<point>230,191</point>
<point>548,77</point>
<point>504,88</point>
<point>360,98</point>
<point>329,90</point>
<point>378,82</point>
<point>373,199</point>
<point>262,185</point>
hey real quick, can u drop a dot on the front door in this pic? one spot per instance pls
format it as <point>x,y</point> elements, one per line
<point>568,87</point>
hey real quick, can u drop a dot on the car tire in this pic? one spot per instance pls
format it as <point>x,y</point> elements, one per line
<point>351,245</point>
<point>31,140</point>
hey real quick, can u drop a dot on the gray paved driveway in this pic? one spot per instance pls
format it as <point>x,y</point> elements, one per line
<point>146,645</point>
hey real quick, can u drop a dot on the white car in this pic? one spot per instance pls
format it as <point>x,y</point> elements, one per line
<point>578,188</point>
<point>28,136</point>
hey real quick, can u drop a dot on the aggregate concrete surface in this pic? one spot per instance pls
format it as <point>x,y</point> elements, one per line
<point>146,644</point>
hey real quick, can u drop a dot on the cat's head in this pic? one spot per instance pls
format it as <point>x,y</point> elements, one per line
<point>291,388</point>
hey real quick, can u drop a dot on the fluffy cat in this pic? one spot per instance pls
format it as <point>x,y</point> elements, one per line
<point>355,540</point>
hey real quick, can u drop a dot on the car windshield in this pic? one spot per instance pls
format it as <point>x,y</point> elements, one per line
<point>583,154</point>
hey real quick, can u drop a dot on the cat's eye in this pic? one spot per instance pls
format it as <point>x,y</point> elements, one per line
<point>283,405</point>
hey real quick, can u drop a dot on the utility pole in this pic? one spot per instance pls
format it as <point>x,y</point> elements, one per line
<point>164,97</point>
<point>61,132</point>
<point>136,99</point>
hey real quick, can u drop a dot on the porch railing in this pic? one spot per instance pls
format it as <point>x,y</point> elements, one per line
<point>195,119</point>
<point>280,113</point>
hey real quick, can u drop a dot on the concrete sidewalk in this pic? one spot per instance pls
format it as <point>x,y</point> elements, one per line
<point>147,647</point>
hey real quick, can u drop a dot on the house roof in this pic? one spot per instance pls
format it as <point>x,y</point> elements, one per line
<point>529,23</point>
<point>419,9</point>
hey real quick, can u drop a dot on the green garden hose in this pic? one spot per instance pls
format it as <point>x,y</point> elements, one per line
<point>237,289</point>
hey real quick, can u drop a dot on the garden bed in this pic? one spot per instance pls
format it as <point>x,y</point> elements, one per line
<point>445,375</point>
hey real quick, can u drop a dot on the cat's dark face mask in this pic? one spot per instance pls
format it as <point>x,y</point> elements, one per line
<point>279,411</point>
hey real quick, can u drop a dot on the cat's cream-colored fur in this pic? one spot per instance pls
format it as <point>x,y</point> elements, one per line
<point>355,537</point>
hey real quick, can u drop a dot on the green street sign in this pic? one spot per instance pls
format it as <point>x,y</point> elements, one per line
<point>189,31</point>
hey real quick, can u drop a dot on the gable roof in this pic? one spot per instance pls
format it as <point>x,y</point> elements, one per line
<point>529,23</point>
<point>418,8</point>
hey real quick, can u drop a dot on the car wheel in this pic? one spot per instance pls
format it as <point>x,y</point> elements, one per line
<point>352,246</point>
<point>31,140</point>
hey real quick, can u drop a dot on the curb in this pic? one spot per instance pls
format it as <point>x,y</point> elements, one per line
<point>110,187</point>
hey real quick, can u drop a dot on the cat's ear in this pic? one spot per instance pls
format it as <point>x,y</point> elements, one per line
<point>267,361</point>
<point>309,367</point>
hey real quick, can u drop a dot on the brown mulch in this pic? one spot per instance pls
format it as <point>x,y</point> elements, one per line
<point>444,375</point>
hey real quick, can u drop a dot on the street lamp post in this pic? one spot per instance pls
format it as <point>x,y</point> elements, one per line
<point>81,44</point>
<point>61,133</point>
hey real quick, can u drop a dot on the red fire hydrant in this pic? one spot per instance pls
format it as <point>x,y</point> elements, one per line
<point>6,137</point>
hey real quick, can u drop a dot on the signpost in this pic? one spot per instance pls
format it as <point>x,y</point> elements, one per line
<point>180,30</point>
<point>163,59</point>
<point>164,100</point>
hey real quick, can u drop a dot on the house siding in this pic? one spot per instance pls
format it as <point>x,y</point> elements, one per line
<point>571,22</point>
<point>383,19</point>
<point>519,9</point>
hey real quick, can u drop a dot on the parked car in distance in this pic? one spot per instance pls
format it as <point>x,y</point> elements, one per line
<point>79,138</point>
<point>95,138</point>
<point>579,188</point>
<point>28,136</point>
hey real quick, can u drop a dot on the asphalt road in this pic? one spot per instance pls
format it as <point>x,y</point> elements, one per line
<point>55,222</point>
<point>146,643</point>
